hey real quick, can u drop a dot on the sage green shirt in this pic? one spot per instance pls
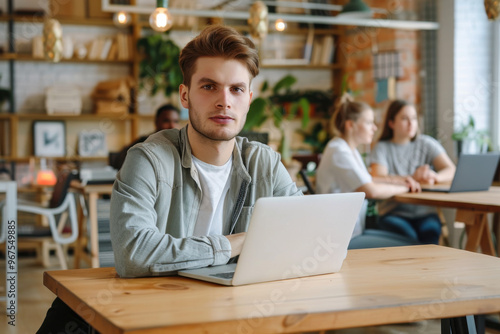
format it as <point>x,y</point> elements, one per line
<point>156,199</point>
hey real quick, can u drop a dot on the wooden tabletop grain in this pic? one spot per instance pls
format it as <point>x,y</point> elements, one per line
<point>375,286</point>
<point>475,200</point>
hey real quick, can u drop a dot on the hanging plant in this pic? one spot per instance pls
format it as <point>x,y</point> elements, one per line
<point>159,68</point>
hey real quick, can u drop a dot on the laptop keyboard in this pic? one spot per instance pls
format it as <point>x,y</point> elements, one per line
<point>227,275</point>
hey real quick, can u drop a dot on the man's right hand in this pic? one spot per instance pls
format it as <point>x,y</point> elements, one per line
<point>236,241</point>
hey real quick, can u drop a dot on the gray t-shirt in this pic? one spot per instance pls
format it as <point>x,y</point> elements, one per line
<point>404,160</point>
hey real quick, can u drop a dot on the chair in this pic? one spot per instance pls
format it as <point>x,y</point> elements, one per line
<point>307,182</point>
<point>261,137</point>
<point>61,203</point>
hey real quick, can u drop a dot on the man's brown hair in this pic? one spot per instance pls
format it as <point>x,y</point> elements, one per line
<point>219,41</point>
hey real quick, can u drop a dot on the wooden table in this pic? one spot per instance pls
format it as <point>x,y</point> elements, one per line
<point>472,209</point>
<point>92,193</point>
<point>375,286</point>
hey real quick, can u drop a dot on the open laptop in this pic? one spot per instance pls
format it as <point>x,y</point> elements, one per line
<point>290,237</point>
<point>474,172</point>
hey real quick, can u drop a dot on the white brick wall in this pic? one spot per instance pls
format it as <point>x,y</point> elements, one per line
<point>32,78</point>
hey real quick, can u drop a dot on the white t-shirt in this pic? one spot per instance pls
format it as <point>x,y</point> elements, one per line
<point>342,170</point>
<point>214,182</point>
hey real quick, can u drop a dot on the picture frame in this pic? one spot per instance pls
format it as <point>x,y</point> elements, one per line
<point>92,143</point>
<point>49,138</point>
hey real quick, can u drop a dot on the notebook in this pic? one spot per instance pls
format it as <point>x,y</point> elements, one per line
<point>474,172</point>
<point>290,237</point>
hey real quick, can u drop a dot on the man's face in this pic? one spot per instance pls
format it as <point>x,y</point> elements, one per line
<point>168,119</point>
<point>218,99</point>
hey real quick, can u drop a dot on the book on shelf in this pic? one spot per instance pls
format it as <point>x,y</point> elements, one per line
<point>113,50</point>
<point>323,50</point>
<point>316,50</point>
<point>327,50</point>
<point>106,47</point>
<point>123,46</point>
<point>130,43</point>
<point>95,48</point>
<point>308,47</point>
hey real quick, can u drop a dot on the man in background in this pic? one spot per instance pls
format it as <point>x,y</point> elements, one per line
<point>167,117</point>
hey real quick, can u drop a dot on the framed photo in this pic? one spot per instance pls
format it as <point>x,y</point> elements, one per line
<point>49,138</point>
<point>92,144</point>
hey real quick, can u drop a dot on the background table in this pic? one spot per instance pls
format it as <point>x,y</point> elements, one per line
<point>92,194</point>
<point>472,209</point>
<point>375,286</point>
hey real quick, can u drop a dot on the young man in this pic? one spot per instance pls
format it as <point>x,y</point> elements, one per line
<point>167,117</point>
<point>183,198</point>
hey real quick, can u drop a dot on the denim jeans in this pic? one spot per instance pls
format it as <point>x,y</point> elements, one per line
<point>426,229</point>
<point>372,238</point>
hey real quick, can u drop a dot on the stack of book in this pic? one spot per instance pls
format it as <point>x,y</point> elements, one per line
<point>118,47</point>
<point>323,49</point>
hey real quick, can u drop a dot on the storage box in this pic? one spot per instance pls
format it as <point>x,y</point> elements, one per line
<point>110,107</point>
<point>63,100</point>
<point>68,8</point>
<point>95,10</point>
<point>113,96</point>
<point>117,90</point>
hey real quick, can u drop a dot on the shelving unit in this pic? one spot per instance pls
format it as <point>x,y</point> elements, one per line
<point>26,57</point>
<point>18,149</point>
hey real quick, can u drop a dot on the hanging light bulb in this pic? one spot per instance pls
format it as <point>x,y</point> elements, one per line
<point>160,19</point>
<point>122,19</point>
<point>280,25</point>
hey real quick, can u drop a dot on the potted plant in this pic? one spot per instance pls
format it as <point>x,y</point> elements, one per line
<point>471,140</point>
<point>279,103</point>
<point>159,69</point>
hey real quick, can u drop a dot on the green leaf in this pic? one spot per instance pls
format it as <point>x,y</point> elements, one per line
<point>264,87</point>
<point>256,113</point>
<point>277,114</point>
<point>159,63</point>
<point>306,109</point>
<point>285,82</point>
<point>292,110</point>
<point>343,85</point>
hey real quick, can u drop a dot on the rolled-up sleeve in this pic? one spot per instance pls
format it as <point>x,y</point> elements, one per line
<point>140,244</point>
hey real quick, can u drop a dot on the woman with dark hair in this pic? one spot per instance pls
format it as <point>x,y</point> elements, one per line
<point>403,155</point>
<point>341,169</point>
